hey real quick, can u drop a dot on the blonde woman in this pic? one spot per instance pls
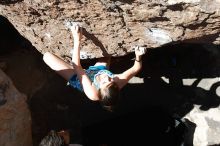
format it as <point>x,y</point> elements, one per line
<point>97,82</point>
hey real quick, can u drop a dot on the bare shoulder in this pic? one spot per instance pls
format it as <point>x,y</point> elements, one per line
<point>119,76</point>
<point>118,79</point>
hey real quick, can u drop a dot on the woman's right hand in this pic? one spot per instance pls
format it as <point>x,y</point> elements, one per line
<point>77,35</point>
<point>76,32</point>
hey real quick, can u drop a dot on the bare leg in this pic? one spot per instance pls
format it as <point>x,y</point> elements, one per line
<point>105,61</point>
<point>60,66</point>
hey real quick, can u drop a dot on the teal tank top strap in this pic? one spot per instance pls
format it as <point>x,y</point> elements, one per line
<point>107,72</point>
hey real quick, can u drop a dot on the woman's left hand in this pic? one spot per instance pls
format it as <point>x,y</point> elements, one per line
<point>139,51</point>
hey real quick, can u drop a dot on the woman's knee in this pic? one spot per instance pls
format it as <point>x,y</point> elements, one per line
<point>47,56</point>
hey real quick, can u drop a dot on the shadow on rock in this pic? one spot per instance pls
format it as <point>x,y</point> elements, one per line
<point>175,63</point>
<point>151,125</point>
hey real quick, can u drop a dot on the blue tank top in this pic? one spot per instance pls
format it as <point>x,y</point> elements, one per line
<point>92,72</point>
<point>107,72</point>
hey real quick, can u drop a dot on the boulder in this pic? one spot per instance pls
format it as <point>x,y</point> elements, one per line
<point>113,27</point>
<point>15,118</point>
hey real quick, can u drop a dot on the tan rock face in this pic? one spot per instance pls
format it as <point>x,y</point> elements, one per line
<point>15,119</point>
<point>113,27</point>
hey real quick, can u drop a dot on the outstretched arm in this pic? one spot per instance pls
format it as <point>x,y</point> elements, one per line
<point>89,90</point>
<point>76,32</point>
<point>128,74</point>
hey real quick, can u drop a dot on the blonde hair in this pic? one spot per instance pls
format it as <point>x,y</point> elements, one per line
<point>109,96</point>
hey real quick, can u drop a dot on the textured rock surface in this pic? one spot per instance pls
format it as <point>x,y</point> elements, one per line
<point>112,26</point>
<point>15,118</point>
<point>208,128</point>
<point>207,122</point>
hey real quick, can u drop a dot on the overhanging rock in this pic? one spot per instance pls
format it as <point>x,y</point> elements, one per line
<point>113,27</point>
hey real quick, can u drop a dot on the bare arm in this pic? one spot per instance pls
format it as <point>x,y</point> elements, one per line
<point>76,53</point>
<point>76,32</point>
<point>89,90</point>
<point>135,69</point>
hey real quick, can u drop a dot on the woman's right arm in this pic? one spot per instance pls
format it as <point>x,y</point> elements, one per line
<point>86,83</point>
<point>89,90</point>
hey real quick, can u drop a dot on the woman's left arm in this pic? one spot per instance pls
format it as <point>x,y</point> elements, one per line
<point>135,69</point>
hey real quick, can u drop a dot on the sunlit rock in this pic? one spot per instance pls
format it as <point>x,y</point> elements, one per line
<point>113,27</point>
